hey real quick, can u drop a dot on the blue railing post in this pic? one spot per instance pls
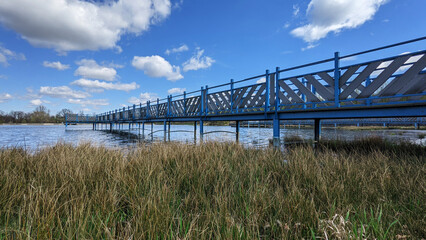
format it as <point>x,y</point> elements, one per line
<point>148,108</point>
<point>134,111</point>
<point>232,95</point>
<point>277,88</point>
<point>158,107</point>
<point>202,101</point>
<point>367,82</point>
<point>206,92</point>
<point>336,79</point>
<point>267,92</point>
<point>184,103</point>
<point>170,106</point>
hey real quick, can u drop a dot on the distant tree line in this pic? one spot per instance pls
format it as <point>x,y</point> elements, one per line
<point>40,115</point>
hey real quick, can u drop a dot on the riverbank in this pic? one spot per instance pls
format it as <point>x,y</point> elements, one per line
<point>364,189</point>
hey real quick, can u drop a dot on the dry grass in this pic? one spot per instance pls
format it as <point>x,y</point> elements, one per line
<point>213,191</point>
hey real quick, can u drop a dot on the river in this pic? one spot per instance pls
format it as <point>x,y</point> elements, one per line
<point>37,136</point>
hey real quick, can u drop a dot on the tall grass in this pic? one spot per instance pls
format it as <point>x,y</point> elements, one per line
<point>170,191</point>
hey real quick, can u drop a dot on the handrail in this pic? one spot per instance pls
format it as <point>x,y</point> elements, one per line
<point>297,67</point>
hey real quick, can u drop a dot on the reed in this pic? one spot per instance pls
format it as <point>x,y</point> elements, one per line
<point>370,189</point>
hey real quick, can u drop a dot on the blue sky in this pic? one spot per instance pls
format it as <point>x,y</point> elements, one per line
<point>96,56</point>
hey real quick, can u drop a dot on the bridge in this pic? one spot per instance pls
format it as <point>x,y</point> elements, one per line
<point>389,87</point>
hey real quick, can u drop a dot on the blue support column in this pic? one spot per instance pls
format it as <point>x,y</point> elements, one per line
<point>276,132</point>
<point>143,130</point>
<point>195,131</point>
<point>201,130</point>
<point>168,132</point>
<point>152,131</point>
<point>165,130</point>
<point>237,131</point>
<point>317,130</point>
<point>336,79</point>
<point>232,95</point>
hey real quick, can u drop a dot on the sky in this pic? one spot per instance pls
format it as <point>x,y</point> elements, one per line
<point>96,56</point>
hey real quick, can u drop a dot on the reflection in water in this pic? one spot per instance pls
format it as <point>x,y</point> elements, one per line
<point>36,136</point>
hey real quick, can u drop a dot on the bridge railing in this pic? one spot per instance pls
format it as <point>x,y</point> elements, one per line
<point>396,80</point>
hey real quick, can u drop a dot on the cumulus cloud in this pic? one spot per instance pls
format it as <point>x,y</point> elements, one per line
<point>156,66</point>
<point>89,102</point>
<point>90,69</point>
<point>68,25</point>
<point>62,92</point>
<point>7,54</point>
<point>176,90</point>
<point>143,98</point>
<point>56,65</point>
<point>335,15</point>
<point>182,48</point>
<point>5,97</point>
<point>99,86</point>
<point>38,102</point>
<point>198,61</point>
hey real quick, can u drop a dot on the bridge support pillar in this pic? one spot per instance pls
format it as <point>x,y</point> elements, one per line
<point>317,130</point>
<point>143,130</point>
<point>152,131</point>
<point>276,132</point>
<point>237,131</point>
<point>201,130</point>
<point>168,132</point>
<point>416,126</point>
<point>93,127</point>
<point>165,130</point>
<point>110,127</point>
<point>195,132</point>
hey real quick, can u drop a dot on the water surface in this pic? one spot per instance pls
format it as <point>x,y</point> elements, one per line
<point>36,136</point>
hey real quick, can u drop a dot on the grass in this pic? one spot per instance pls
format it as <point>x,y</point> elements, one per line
<point>367,189</point>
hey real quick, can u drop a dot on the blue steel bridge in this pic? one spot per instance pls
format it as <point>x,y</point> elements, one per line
<point>389,87</point>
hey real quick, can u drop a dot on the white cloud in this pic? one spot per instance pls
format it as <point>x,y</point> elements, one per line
<point>89,102</point>
<point>6,55</point>
<point>198,61</point>
<point>99,85</point>
<point>67,25</point>
<point>143,98</point>
<point>182,48</point>
<point>176,90</point>
<point>90,69</point>
<point>38,102</point>
<point>334,15</point>
<point>296,9</point>
<point>56,65</point>
<point>62,92</point>
<point>5,97</point>
<point>156,66</point>
<point>3,77</point>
